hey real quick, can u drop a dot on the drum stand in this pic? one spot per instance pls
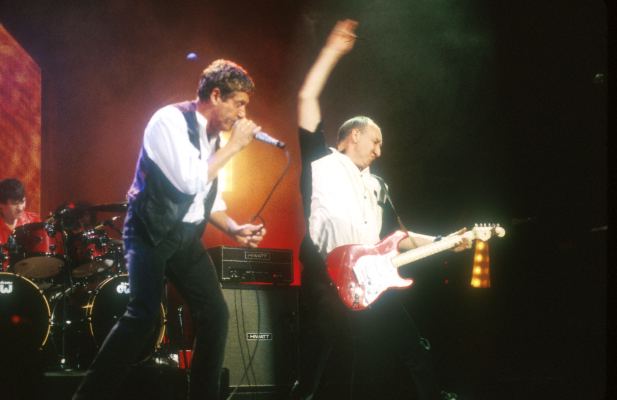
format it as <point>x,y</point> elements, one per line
<point>164,354</point>
<point>67,289</point>
<point>183,350</point>
<point>65,324</point>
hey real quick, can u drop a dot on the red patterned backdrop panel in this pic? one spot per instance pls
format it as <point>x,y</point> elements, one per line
<point>20,118</point>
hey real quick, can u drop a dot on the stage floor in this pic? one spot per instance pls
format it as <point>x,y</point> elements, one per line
<point>158,382</point>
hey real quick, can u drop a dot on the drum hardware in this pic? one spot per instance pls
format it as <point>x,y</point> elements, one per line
<point>184,361</point>
<point>60,288</point>
<point>85,295</point>
<point>4,257</point>
<point>84,315</point>
<point>110,207</point>
<point>92,252</point>
<point>73,270</point>
<point>179,329</point>
<point>86,271</point>
<point>65,324</point>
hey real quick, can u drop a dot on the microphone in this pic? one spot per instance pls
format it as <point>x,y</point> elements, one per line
<point>264,137</point>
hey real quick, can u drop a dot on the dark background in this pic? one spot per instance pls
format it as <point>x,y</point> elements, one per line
<point>490,110</point>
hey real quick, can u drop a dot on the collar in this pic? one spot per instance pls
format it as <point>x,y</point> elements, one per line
<point>203,124</point>
<point>348,163</point>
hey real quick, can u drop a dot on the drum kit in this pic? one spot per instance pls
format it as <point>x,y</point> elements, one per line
<point>63,285</point>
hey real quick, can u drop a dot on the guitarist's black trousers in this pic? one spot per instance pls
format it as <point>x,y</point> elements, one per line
<point>324,321</point>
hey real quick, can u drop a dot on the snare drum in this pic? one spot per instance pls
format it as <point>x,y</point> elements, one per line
<point>92,252</point>
<point>108,304</point>
<point>37,250</point>
<point>24,314</point>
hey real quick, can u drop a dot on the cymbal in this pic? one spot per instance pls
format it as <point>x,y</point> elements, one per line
<point>110,207</point>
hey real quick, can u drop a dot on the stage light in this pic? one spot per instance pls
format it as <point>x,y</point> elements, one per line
<point>480,277</point>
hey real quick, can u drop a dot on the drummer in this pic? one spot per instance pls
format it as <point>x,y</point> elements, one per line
<point>13,208</point>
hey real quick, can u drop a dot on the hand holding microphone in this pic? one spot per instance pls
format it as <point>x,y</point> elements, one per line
<point>240,133</point>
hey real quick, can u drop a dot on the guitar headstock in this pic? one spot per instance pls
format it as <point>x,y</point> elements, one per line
<point>485,231</point>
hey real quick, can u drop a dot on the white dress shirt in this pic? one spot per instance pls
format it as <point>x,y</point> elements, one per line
<point>344,207</point>
<point>167,144</point>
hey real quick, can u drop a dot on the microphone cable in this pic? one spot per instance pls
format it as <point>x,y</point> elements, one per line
<point>278,181</point>
<point>248,363</point>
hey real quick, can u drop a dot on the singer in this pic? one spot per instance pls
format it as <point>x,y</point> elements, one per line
<point>172,197</point>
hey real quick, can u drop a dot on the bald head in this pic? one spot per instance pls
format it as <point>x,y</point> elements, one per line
<point>360,139</point>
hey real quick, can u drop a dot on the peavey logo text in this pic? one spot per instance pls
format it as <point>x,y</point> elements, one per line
<point>257,255</point>
<point>6,287</point>
<point>258,336</point>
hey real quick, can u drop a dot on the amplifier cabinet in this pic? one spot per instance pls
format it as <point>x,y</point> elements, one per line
<point>262,343</point>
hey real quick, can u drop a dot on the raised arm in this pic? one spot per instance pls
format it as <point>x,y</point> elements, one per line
<point>339,43</point>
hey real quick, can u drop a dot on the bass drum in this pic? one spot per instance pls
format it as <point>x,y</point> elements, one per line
<point>24,315</point>
<point>108,304</point>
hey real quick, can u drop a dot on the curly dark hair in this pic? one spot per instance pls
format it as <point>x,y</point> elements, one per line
<point>225,75</point>
<point>11,189</point>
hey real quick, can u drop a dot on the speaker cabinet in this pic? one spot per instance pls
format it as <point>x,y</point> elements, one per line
<point>262,342</point>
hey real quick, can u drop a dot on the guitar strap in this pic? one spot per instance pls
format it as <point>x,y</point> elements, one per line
<point>384,198</point>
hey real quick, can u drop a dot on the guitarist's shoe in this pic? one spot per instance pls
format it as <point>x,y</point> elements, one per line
<point>448,395</point>
<point>294,393</point>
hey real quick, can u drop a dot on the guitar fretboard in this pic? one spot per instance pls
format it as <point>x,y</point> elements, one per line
<point>425,251</point>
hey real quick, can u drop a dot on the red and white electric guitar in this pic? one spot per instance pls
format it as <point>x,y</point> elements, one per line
<point>361,273</point>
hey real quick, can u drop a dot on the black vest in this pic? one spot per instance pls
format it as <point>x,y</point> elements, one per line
<point>154,199</point>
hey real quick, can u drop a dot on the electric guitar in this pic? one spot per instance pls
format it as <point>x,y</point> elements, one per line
<point>361,273</point>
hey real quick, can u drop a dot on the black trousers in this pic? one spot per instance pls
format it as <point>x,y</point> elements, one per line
<point>324,320</point>
<point>182,258</point>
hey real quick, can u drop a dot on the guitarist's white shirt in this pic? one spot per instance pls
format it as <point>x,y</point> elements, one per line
<point>344,208</point>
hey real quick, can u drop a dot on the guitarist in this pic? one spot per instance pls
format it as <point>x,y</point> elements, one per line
<point>345,204</point>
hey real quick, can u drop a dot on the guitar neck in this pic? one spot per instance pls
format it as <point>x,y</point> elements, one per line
<point>425,251</point>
